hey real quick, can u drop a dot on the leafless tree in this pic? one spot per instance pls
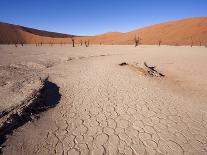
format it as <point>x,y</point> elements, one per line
<point>191,41</point>
<point>73,40</point>
<point>137,40</point>
<point>159,42</point>
<point>51,43</point>
<point>22,43</point>
<point>87,43</point>
<point>200,43</point>
<point>16,44</point>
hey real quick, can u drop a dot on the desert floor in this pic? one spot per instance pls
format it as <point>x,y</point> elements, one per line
<point>105,108</point>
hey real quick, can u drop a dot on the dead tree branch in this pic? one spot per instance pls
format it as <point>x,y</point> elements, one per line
<point>159,42</point>
<point>73,41</point>
<point>151,70</point>
<point>137,40</point>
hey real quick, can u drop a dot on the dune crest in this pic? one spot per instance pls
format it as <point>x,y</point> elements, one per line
<point>181,32</point>
<point>10,34</point>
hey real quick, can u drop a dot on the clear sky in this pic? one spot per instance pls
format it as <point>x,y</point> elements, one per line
<point>89,17</point>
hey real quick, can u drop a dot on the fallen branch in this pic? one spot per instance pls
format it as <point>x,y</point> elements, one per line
<point>123,64</point>
<point>151,70</point>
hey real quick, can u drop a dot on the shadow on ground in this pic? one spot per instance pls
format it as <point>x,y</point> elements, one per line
<point>47,98</point>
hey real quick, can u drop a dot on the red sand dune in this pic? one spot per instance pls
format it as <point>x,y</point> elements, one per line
<point>180,32</point>
<point>16,34</point>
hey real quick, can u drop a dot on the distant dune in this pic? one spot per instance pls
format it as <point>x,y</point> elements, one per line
<point>181,32</point>
<point>13,33</point>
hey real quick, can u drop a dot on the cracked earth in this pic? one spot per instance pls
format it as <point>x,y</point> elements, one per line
<point>110,109</point>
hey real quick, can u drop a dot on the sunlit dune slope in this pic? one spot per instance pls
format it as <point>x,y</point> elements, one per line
<point>180,32</point>
<point>16,34</point>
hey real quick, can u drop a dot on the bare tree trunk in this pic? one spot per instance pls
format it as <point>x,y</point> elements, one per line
<point>87,43</point>
<point>73,40</point>
<point>191,42</point>
<point>137,40</point>
<point>200,43</point>
<point>159,42</point>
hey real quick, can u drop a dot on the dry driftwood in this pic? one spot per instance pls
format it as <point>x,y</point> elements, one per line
<point>123,64</point>
<point>151,70</point>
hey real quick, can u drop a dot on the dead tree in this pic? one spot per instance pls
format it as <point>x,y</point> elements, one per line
<point>200,43</point>
<point>73,41</point>
<point>191,42</point>
<point>16,44</point>
<point>51,43</point>
<point>137,40</point>
<point>87,43</point>
<point>159,42</point>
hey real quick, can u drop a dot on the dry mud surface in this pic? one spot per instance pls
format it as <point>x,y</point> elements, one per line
<point>105,108</point>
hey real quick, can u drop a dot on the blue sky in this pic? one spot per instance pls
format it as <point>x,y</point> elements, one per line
<point>89,17</point>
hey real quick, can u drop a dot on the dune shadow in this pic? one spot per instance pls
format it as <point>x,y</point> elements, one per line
<point>47,98</point>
